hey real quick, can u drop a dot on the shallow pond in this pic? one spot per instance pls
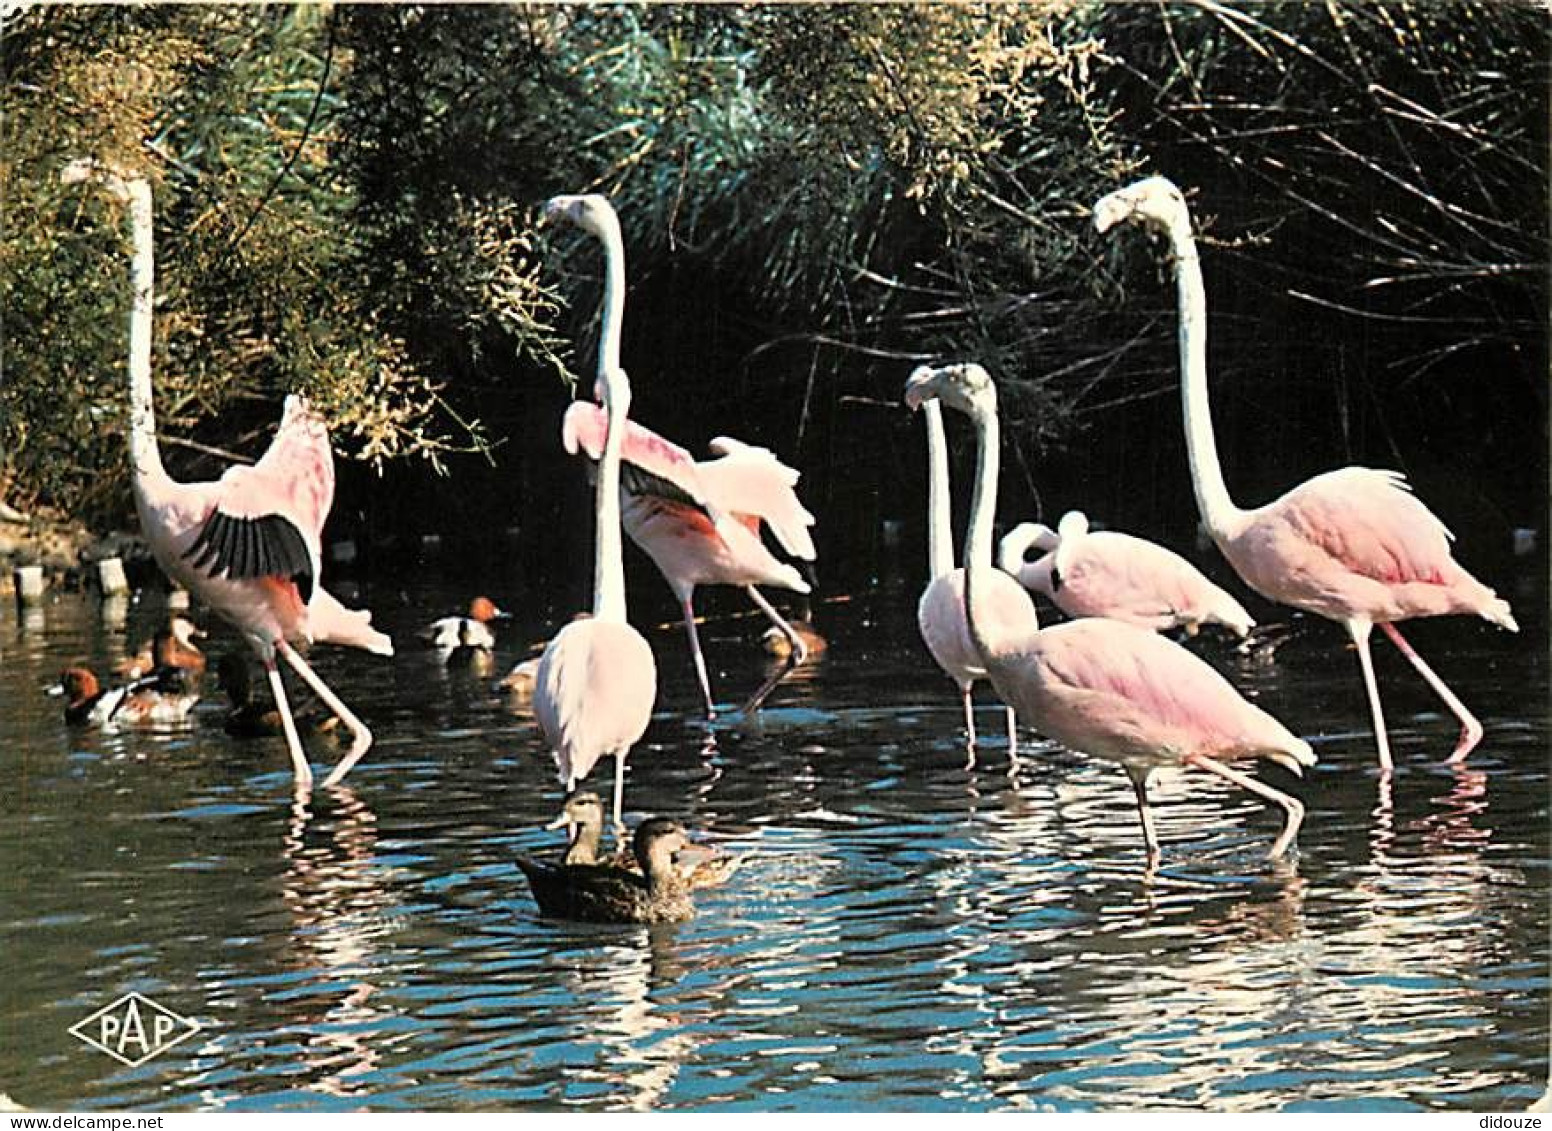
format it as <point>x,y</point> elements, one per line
<point>904,933</point>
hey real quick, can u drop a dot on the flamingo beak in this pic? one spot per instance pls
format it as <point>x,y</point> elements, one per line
<point>77,171</point>
<point>920,386</point>
<point>1112,209</point>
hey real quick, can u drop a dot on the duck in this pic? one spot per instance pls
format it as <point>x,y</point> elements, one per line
<point>157,700</point>
<point>172,646</point>
<point>582,815</point>
<point>250,719</point>
<point>519,682</point>
<point>776,643</point>
<point>604,893</point>
<point>472,631</point>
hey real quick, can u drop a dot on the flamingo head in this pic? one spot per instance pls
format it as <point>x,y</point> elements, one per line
<point>590,212</point>
<point>966,387</point>
<point>117,182</point>
<point>1153,202</point>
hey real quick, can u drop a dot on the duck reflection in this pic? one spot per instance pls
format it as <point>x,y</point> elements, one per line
<point>642,1044</point>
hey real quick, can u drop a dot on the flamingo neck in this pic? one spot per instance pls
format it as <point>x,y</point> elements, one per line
<point>145,458</point>
<point>1218,511</point>
<point>978,542</point>
<point>940,535</point>
<point>614,301</point>
<point>983,503</point>
<point>608,559</point>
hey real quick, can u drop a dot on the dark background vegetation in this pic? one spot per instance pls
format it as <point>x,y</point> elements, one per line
<point>814,200</point>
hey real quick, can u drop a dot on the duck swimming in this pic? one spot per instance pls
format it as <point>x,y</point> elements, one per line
<point>471,631</point>
<point>582,815</point>
<point>603,893</point>
<point>250,719</point>
<point>172,646</point>
<point>156,700</point>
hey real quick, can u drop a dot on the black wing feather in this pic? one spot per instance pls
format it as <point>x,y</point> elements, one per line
<point>242,549</point>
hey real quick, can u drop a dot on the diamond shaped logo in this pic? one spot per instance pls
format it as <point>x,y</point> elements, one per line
<point>134,1029</point>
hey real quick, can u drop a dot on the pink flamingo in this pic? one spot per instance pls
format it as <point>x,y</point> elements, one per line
<point>249,544</point>
<point>597,681</point>
<point>940,614</point>
<point>1105,687</point>
<point>699,522</point>
<point>1109,574</point>
<point>1352,545</point>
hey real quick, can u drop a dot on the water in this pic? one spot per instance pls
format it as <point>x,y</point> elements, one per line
<point>904,934</point>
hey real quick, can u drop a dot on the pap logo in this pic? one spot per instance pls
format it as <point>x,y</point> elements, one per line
<point>134,1029</point>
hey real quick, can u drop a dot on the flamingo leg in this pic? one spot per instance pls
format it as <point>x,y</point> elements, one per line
<point>1012,738</point>
<point>1140,789</point>
<point>795,655</point>
<point>1360,630</point>
<point>299,766</point>
<point>361,737</point>
<point>968,700</point>
<point>619,796</point>
<point>695,651</point>
<point>1291,805</point>
<point>1470,728</point>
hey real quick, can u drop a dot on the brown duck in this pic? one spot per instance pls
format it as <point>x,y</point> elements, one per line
<point>605,893</point>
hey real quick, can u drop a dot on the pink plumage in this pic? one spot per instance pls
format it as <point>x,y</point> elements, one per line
<point>1352,545</point>
<point>593,694</point>
<point>1119,691</point>
<point>1357,542</point>
<point>1110,574</point>
<point>250,544</point>
<point>701,521</point>
<point>1104,687</point>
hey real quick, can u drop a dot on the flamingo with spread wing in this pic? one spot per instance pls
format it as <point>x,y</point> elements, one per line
<point>699,522</point>
<point>250,543</point>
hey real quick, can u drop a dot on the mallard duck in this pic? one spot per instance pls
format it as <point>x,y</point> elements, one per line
<point>250,719</point>
<point>582,815</point>
<point>472,631</point>
<point>172,646</point>
<point>156,700</point>
<point>604,893</point>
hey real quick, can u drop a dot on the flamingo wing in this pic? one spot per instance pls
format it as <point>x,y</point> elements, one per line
<point>1372,524</point>
<point>268,519</point>
<point>1112,687</point>
<point>651,460</point>
<point>747,480</point>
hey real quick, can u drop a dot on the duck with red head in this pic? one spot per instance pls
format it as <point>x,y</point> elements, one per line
<point>151,702</point>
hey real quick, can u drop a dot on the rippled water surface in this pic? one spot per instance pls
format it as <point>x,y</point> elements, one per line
<point>904,933</point>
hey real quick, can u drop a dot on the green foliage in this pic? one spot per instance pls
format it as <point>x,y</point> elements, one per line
<point>227,111</point>
<point>346,199</point>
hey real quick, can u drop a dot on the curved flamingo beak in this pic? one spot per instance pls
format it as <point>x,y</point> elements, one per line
<point>920,386</point>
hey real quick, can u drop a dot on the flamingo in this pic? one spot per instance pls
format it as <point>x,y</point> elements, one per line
<point>1109,574</point>
<point>597,681</point>
<point>248,544</point>
<point>1352,545</point>
<point>699,522</point>
<point>1104,687</point>
<point>940,613</point>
